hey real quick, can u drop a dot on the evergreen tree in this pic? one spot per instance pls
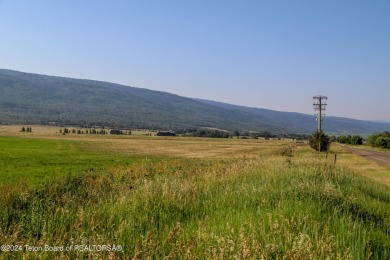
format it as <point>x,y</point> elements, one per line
<point>319,141</point>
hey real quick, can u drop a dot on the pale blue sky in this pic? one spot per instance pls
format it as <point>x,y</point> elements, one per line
<point>267,53</point>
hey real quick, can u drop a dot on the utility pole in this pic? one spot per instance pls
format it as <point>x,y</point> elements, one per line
<point>319,105</point>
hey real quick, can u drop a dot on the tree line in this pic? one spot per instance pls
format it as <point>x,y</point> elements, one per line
<point>94,131</point>
<point>380,140</point>
<point>320,142</point>
<point>354,140</point>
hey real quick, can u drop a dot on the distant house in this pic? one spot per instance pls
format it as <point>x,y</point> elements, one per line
<point>166,133</point>
<point>115,132</point>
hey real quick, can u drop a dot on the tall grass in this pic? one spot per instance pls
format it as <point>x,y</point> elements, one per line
<point>266,207</point>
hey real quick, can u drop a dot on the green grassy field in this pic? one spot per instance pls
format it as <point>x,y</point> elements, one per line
<point>202,198</point>
<point>37,161</point>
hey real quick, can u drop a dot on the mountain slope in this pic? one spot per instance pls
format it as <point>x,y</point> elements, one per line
<point>32,98</point>
<point>303,123</point>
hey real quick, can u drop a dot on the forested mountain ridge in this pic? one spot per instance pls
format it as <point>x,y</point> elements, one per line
<point>34,99</point>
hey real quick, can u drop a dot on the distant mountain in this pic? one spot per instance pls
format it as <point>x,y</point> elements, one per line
<point>302,123</point>
<point>34,99</point>
<point>380,121</point>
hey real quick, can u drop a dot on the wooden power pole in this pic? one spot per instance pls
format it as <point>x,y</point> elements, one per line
<point>319,105</point>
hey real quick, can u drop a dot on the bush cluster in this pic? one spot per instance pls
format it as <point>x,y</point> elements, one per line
<point>381,140</point>
<point>204,133</point>
<point>28,129</point>
<point>354,140</point>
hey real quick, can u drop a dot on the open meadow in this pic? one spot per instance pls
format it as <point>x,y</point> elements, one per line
<point>123,197</point>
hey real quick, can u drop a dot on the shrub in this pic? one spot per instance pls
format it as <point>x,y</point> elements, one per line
<point>356,140</point>
<point>319,141</point>
<point>342,139</point>
<point>382,142</point>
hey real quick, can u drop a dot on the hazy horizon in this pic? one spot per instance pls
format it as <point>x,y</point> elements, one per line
<point>274,55</point>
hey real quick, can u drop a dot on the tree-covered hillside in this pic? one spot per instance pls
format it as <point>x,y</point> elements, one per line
<point>34,99</point>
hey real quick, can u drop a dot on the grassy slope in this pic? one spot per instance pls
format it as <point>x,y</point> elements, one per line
<point>269,205</point>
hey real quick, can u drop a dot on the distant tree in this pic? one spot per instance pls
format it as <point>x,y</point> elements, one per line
<point>207,133</point>
<point>356,140</point>
<point>319,141</point>
<point>246,134</point>
<point>382,142</point>
<point>236,133</point>
<point>342,139</point>
<point>255,135</point>
<point>23,129</point>
<point>267,134</point>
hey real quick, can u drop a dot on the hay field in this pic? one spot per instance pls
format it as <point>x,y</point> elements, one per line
<point>161,146</point>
